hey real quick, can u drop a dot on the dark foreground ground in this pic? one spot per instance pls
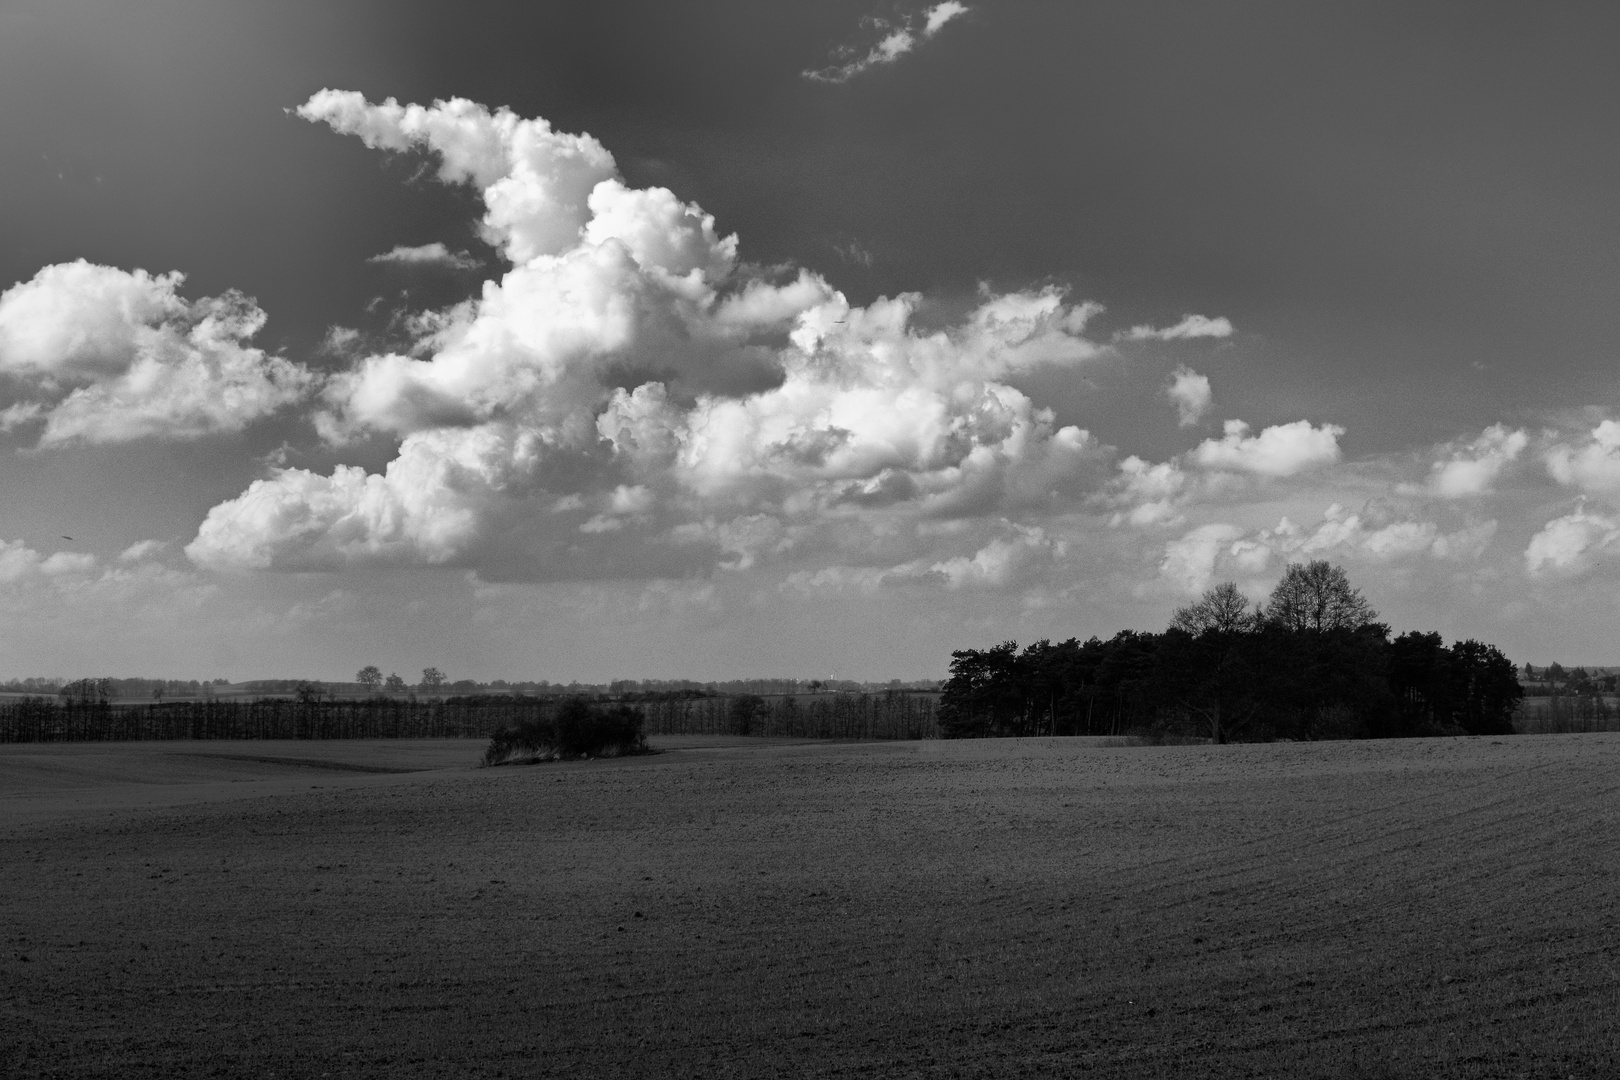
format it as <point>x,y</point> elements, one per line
<point>1441,908</point>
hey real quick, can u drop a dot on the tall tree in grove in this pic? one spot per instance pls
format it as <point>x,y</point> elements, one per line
<point>1318,596</point>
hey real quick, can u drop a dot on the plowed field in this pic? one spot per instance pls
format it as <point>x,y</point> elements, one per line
<point>1426,908</point>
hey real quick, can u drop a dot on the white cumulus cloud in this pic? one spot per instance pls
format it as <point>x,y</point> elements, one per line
<point>630,380</point>
<point>940,14</point>
<point>1592,465</point>
<point>104,355</point>
<point>999,562</point>
<point>1473,469</point>
<point>1189,562</point>
<point>1343,533</point>
<point>1147,494</point>
<point>1190,391</point>
<point>534,180</point>
<point>21,564</point>
<point>1220,549</point>
<point>1282,450</point>
<point>1571,544</point>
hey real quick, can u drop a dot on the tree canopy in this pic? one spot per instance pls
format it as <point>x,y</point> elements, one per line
<point>1222,608</point>
<point>1317,596</point>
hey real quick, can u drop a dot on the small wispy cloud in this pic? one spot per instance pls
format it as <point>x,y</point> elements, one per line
<point>854,252</point>
<point>896,39</point>
<point>24,412</point>
<point>434,254</point>
<point>340,340</point>
<point>1191,326</point>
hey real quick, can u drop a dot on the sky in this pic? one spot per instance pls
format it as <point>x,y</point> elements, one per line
<point>717,340</point>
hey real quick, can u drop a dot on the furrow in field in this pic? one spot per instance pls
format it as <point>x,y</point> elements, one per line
<point>1251,867</point>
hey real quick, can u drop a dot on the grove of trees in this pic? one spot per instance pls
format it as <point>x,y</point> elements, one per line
<point>1313,662</point>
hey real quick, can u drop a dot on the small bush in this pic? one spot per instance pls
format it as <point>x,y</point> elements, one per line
<point>1159,735</point>
<point>579,728</point>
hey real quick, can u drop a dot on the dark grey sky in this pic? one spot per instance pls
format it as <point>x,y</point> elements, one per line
<point>1409,211</point>
<point>1387,194</point>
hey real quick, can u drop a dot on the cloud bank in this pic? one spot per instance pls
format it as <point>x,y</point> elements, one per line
<point>631,394</point>
<point>630,401</point>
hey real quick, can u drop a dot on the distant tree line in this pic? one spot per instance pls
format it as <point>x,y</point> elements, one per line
<point>90,715</point>
<point>764,687</point>
<point>156,689</point>
<point>370,680</point>
<point>1566,713</point>
<point>41,719</point>
<point>1555,680</point>
<point>891,714</point>
<point>1568,700</point>
<point>1312,662</point>
<point>32,685</point>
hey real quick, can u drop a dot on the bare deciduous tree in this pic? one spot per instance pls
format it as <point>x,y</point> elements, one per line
<point>1222,608</point>
<point>1317,596</point>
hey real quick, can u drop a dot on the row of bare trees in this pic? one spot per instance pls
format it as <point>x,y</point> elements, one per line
<point>1567,713</point>
<point>40,719</point>
<point>893,714</point>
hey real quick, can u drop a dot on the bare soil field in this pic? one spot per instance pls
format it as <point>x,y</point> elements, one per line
<point>743,908</point>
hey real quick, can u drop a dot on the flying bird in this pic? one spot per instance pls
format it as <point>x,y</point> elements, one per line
<point>67,538</point>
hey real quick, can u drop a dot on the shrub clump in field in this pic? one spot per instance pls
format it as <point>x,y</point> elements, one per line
<point>579,728</point>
